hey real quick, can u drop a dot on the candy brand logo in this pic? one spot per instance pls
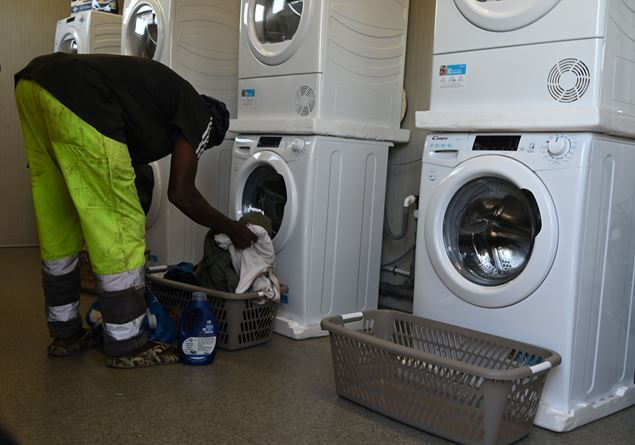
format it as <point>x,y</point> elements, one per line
<point>439,138</point>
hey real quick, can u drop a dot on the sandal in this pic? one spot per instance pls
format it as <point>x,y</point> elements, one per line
<point>64,347</point>
<point>156,354</point>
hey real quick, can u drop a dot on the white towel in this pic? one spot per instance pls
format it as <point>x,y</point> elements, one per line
<point>255,264</point>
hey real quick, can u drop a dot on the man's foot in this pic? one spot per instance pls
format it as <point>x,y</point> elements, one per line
<point>63,347</point>
<point>150,354</point>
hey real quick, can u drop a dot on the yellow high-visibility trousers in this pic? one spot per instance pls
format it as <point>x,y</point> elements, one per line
<point>83,186</point>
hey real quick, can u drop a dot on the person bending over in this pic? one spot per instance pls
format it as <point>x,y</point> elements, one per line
<point>86,120</point>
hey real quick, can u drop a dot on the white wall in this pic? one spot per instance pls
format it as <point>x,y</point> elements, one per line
<point>27,29</point>
<point>404,170</point>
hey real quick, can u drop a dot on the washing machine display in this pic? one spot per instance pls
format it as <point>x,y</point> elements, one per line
<point>89,32</point>
<point>325,198</point>
<point>559,74</point>
<point>530,237</point>
<point>322,67</point>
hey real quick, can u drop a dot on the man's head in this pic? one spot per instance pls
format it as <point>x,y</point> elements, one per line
<point>220,120</point>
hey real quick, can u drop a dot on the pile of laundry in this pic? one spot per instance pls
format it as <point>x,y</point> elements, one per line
<point>225,268</point>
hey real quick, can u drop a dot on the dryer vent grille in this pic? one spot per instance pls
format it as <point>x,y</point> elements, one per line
<point>568,80</point>
<point>304,100</point>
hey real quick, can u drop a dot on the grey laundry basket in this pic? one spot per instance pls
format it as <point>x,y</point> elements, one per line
<point>464,385</point>
<point>242,321</point>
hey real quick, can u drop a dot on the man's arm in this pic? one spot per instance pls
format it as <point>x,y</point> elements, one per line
<point>182,192</point>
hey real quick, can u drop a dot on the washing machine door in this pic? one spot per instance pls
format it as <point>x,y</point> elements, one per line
<point>504,15</point>
<point>491,231</point>
<point>276,28</point>
<point>265,184</point>
<point>69,43</point>
<point>144,30</point>
<point>149,184</point>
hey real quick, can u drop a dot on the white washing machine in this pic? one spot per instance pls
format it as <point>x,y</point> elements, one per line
<point>332,67</point>
<point>533,65</point>
<point>199,41</point>
<point>531,236</point>
<point>89,32</point>
<point>325,198</point>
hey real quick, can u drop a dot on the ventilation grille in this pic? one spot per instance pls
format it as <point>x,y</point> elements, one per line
<point>568,80</point>
<point>304,100</point>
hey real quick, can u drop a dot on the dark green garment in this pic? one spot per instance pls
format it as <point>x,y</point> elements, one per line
<point>215,270</point>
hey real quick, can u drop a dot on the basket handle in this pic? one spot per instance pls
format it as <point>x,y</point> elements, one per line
<point>353,316</point>
<point>540,367</point>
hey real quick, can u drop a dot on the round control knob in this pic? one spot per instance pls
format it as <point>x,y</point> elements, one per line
<point>297,145</point>
<point>558,147</point>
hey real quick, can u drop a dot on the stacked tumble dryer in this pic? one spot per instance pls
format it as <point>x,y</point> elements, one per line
<point>199,40</point>
<point>319,103</point>
<point>89,32</point>
<point>527,216</point>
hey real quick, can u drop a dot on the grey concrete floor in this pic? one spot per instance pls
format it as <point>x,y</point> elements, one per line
<point>281,392</point>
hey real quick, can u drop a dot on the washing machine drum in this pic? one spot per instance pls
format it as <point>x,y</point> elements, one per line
<point>504,15</point>
<point>265,192</point>
<point>143,32</point>
<point>490,226</point>
<point>277,21</point>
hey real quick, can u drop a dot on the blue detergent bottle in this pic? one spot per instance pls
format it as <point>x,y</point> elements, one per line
<point>198,330</point>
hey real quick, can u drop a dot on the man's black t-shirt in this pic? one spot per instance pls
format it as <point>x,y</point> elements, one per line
<point>133,100</point>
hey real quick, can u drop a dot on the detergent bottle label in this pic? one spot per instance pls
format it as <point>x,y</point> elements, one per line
<point>203,344</point>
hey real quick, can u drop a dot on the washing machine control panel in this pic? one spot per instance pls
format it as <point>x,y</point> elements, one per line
<point>290,148</point>
<point>539,150</point>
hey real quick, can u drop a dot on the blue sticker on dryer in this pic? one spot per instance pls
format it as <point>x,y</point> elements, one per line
<point>248,96</point>
<point>452,76</point>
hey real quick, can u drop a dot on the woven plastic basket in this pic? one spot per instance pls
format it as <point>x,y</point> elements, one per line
<point>242,321</point>
<point>464,385</point>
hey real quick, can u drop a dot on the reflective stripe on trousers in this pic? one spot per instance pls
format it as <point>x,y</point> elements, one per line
<point>60,282</point>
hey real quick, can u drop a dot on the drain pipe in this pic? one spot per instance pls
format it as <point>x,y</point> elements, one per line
<point>408,201</point>
<point>404,291</point>
<point>395,291</point>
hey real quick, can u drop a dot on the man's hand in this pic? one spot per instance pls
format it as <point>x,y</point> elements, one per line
<point>240,235</point>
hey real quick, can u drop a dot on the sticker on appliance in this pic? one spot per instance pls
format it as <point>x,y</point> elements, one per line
<point>248,96</point>
<point>452,76</point>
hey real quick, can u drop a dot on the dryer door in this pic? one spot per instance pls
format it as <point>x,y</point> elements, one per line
<point>265,184</point>
<point>276,28</point>
<point>504,15</point>
<point>491,231</point>
<point>144,30</point>
<point>69,43</point>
